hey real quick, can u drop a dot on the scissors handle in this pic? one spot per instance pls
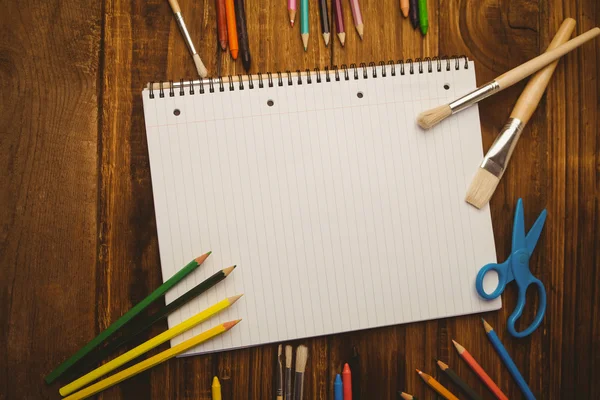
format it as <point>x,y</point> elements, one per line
<point>521,305</point>
<point>503,279</point>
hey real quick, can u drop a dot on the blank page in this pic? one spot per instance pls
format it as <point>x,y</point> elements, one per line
<point>339,211</point>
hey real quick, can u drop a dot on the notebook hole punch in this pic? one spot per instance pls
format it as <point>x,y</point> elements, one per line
<point>270,103</point>
<point>446,86</point>
<point>176,112</point>
<point>359,95</point>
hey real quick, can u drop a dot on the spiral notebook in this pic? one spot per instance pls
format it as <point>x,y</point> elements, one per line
<point>339,212</point>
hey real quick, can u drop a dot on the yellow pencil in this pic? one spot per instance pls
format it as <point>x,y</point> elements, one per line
<point>216,389</point>
<point>152,361</point>
<point>148,345</point>
<point>435,385</point>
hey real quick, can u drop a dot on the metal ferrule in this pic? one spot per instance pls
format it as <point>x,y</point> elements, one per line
<point>498,155</point>
<point>469,99</point>
<point>185,33</point>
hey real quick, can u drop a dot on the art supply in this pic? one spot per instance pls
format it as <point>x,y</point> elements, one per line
<point>176,277</point>
<point>413,13</point>
<point>151,362</point>
<point>292,11</point>
<point>465,355</point>
<point>301,358</point>
<point>338,16</point>
<point>404,7</point>
<point>200,68</point>
<point>279,374</point>
<point>350,169</point>
<point>147,346</point>
<point>240,20</point>
<point>338,388</point>
<point>516,268</point>
<point>357,17</point>
<point>288,372</point>
<point>324,20</point>
<point>507,360</point>
<point>407,396</point>
<point>496,160</point>
<point>355,368</point>
<point>304,23</point>
<point>423,17</point>
<point>471,394</point>
<point>216,389</point>
<point>347,382</point>
<point>231,29</point>
<point>222,24</point>
<point>432,117</point>
<point>435,385</point>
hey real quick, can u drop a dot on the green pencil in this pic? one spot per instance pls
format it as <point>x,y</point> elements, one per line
<point>162,289</point>
<point>423,20</point>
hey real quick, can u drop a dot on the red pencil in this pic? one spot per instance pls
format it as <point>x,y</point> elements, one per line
<point>347,382</point>
<point>479,371</point>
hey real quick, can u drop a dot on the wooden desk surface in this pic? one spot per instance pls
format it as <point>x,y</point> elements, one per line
<point>78,243</point>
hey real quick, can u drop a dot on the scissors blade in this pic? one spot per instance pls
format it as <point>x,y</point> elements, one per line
<point>536,230</point>
<point>518,238</point>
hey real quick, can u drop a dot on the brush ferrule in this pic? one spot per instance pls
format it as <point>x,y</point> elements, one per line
<point>185,33</point>
<point>498,155</point>
<point>475,96</point>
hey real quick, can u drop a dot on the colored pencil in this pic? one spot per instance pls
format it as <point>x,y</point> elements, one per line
<point>338,16</point>
<point>423,18</point>
<point>413,13</point>
<point>324,20</point>
<point>147,346</point>
<point>465,355</point>
<point>200,68</point>
<point>407,396</point>
<point>338,388</point>
<point>128,316</point>
<point>152,361</point>
<point>222,24</point>
<point>301,358</point>
<point>458,381</point>
<point>435,385</point>
<point>292,11</point>
<point>355,368</point>
<point>240,19</point>
<point>404,6</point>
<point>347,382</point>
<point>231,29</point>
<point>304,22</point>
<point>279,376</point>
<point>288,372</point>
<point>357,16</point>
<point>507,360</point>
<point>216,389</point>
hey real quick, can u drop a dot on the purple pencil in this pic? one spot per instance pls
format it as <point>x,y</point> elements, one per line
<point>339,20</point>
<point>357,16</point>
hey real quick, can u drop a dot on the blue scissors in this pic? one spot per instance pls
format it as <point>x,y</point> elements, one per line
<point>516,267</point>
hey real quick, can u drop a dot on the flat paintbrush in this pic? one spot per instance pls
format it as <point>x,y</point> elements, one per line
<point>496,160</point>
<point>428,119</point>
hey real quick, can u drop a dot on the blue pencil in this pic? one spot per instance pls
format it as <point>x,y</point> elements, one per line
<point>510,364</point>
<point>338,392</point>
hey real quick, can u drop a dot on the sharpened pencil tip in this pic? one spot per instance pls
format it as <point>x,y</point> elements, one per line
<point>419,371</point>
<point>230,324</point>
<point>202,258</point>
<point>486,326</point>
<point>233,299</point>
<point>227,271</point>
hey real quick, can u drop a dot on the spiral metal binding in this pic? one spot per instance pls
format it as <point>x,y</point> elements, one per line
<point>345,72</point>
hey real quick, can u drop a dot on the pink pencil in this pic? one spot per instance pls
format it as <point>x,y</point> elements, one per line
<point>292,10</point>
<point>357,16</point>
<point>338,15</point>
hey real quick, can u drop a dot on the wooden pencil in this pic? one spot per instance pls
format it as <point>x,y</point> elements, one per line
<point>435,385</point>
<point>357,16</point>
<point>338,16</point>
<point>404,7</point>
<point>324,21</point>
<point>242,31</point>
<point>231,29</point>
<point>292,6</point>
<point>465,355</point>
<point>407,396</point>
<point>152,361</point>
<point>222,24</point>
<point>458,381</point>
<point>128,316</point>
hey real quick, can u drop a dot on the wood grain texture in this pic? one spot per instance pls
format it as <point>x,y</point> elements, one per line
<point>78,242</point>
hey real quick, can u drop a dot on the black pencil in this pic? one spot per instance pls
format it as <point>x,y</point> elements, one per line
<point>324,21</point>
<point>457,381</point>
<point>413,13</point>
<point>242,31</point>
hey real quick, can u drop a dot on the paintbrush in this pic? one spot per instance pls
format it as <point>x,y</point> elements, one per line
<point>279,377</point>
<point>288,372</point>
<point>496,160</point>
<point>301,358</point>
<point>188,39</point>
<point>428,119</point>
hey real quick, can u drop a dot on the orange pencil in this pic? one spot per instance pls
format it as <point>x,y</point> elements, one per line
<point>435,385</point>
<point>231,28</point>
<point>465,355</point>
<point>404,6</point>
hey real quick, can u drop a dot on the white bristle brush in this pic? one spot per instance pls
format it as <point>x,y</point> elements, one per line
<point>428,119</point>
<point>288,372</point>
<point>188,39</point>
<point>301,358</point>
<point>496,160</point>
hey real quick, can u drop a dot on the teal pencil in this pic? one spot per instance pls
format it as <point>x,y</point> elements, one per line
<point>510,364</point>
<point>128,316</point>
<point>304,22</point>
<point>423,18</point>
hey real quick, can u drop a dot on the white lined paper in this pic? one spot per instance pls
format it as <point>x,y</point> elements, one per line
<point>340,213</point>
